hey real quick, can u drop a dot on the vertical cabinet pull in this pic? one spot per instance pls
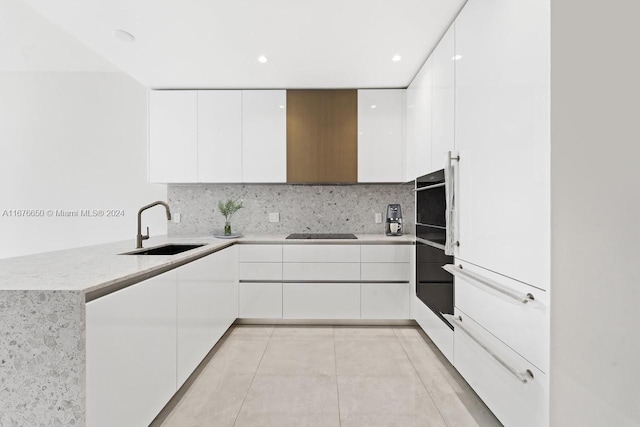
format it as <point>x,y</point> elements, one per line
<point>450,199</point>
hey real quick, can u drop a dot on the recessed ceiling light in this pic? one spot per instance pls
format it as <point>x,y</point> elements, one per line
<point>124,35</point>
<point>457,57</point>
<point>263,59</point>
<point>281,106</point>
<point>374,106</point>
<point>396,58</point>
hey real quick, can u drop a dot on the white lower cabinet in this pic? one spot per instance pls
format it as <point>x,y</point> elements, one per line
<point>384,300</point>
<point>321,271</point>
<point>260,301</point>
<point>321,300</point>
<point>207,306</point>
<point>433,326</point>
<point>518,316</point>
<point>498,374</point>
<point>131,353</point>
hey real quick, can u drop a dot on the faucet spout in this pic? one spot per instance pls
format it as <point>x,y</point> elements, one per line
<point>140,237</point>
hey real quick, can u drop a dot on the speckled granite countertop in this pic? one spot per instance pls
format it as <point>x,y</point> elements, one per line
<point>89,269</point>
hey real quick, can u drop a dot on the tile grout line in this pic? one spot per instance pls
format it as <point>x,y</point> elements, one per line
<point>335,357</point>
<point>420,377</point>
<point>254,377</point>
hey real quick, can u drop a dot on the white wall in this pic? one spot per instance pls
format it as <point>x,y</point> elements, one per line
<point>72,136</point>
<point>595,307</point>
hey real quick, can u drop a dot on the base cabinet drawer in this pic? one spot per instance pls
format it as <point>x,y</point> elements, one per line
<point>259,253</point>
<point>252,271</point>
<point>438,331</point>
<point>321,300</point>
<point>386,253</point>
<point>260,301</point>
<point>385,271</point>
<point>523,326</point>
<point>385,300</point>
<point>513,401</point>
<point>321,271</point>
<point>321,253</point>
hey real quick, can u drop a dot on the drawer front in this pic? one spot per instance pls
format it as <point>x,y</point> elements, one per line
<point>215,267</point>
<point>386,253</point>
<point>514,403</point>
<point>321,253</point>
<point>523,327</point>
<point>385,301</point>
<point>386,272</point>
<point>251,271</point>
<point>327,271</point>
<point>260,253</point>
<point>433,326</point>
<point>260,300</point>
<point>321,300</point>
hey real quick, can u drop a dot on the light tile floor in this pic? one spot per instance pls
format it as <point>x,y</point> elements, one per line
<point>326,376</point>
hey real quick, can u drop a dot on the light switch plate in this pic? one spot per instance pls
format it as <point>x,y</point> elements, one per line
<point>378,218</point>
<point>176,218</point>
<point>274,217</point>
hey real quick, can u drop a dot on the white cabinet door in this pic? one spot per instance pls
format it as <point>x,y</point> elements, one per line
<point>173,136</point>
<point>385,300</point>
<point>131,353</point>
<point>321,300</point>
<point>523,326</point>
<point>260,253</point>
<point>502,135</point>
<point>264,136</point>
<point>207,306</point>
<point>380,134</point>
<point>433,326</point>
<point>497,374</point>
<point>260,301</point>
<point>443,98</point>
<point>219,136</point>
<point>418,123</point>
<point>321,253</point>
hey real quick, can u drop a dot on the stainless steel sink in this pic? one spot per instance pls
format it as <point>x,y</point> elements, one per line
<point>168,249</point>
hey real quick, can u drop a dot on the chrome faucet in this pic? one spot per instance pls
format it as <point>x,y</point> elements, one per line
<point>140,237</point>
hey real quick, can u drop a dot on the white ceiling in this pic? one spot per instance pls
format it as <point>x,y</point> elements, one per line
<point>215,43</point>
<point>29,42</point>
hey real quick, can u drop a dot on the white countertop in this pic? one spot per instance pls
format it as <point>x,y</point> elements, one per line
<point>92,268</point>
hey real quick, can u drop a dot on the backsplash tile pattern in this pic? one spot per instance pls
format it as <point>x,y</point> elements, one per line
<point>302,208</point>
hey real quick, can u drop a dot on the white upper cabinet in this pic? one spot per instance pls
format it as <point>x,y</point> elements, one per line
<point>502,135</point>
<point>443,99</point>
<point>380,134</point>
<point>264,136</point>
<point>219,136</point>
<point>173,136</point>
<point>418,124</point>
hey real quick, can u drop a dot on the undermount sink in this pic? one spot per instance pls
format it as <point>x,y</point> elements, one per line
<point>168,249</point>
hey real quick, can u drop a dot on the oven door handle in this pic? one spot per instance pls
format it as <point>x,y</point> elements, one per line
<point>450,200</point>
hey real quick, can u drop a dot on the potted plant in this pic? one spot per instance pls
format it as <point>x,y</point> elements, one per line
<point>228,209</point>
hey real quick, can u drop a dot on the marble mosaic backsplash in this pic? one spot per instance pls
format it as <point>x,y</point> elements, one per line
<point>302,208</point>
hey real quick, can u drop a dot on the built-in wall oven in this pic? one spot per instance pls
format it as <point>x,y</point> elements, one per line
<point>434,285</point>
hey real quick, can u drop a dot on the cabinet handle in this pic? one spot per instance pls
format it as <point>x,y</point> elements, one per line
<point>429,187</point>
<point>450,200</point>
<point>483,281</point>
<point>523,377</point>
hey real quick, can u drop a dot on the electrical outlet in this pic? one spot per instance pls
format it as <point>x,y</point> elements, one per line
<point>176,218</point>
<point>274,217</point>
<point>378,218</point>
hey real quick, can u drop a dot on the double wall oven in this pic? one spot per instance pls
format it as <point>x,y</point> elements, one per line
<point>434,285</point>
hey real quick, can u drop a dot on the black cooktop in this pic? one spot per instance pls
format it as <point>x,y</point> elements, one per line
<point>321,236</point>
